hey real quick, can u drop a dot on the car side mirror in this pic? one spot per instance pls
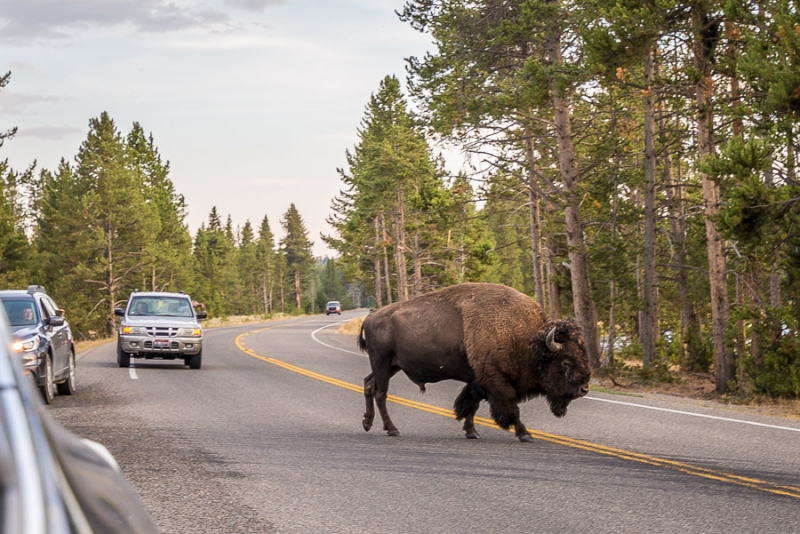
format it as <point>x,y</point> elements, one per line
<point>119,312</point>
<point>201,315</point>
<point>55,320</point>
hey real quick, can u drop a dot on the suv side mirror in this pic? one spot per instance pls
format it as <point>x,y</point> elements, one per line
<point>55,320</point>
<point>201,315</point>
<point>119,312</point>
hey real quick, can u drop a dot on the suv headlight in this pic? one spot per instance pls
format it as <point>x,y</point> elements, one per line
<point>135,330</point>
<point>190,332</point>
<point>26,345</point>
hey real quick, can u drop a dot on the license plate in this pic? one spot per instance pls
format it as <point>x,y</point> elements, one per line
<point>161,344</point>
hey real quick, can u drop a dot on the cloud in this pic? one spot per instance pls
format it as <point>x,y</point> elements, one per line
<point>253,5</point>
<point>54,19</point>
<point>51,133</point>
<point>12,103</point>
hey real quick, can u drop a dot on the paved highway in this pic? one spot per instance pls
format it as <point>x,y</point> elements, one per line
<point>267,437</point>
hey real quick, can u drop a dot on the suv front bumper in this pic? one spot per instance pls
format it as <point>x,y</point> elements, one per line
<point>140,346</point>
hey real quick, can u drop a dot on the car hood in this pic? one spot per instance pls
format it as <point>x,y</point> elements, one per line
<point>21,332</point>
<point>165,322</point>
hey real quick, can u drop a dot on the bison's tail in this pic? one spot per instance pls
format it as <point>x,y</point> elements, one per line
<point>361,340</point>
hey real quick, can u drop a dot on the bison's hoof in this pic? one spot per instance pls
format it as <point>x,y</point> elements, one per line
<point>473,435</point>
<point>393,433</point>
<point>526,438</point>
<point>366,425</point>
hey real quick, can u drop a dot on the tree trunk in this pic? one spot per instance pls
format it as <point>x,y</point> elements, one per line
<point>417,266</point>
<point>612,321</point>
<point>400,247</point>
<point>377,265</point>
<point>579,269</point>
<point>297,289</point>
<point>553,296</point>
<point>647,327</point>
<point>386,263</point>
<point>536,240</point>
<point>724,367</point>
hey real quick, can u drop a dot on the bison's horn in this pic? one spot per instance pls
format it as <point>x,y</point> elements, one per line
<point>550,341</point>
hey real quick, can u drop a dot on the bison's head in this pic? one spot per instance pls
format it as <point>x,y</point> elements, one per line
<point>563,366</point>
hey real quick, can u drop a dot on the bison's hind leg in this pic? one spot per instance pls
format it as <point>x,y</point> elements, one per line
<point>466,406</point>
<point>369,396</point>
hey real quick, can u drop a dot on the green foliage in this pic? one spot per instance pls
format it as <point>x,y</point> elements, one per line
<point>778,372</point>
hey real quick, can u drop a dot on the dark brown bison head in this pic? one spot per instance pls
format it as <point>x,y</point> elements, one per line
<point>562,364</point>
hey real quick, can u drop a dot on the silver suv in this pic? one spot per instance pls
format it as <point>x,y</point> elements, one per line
<point>160,325</point>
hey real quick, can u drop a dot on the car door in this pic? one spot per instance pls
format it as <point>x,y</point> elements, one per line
<point>57,335</point>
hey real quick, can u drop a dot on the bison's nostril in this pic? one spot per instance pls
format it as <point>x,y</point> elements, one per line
<point>584,390</point>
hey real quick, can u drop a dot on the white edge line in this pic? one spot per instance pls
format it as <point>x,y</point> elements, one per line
<point>132,372</point>
<point>314,337</point>
<point>730,420</point>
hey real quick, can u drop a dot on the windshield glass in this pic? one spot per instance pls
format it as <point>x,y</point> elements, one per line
<point>21,311</point>
<point>161,306</point>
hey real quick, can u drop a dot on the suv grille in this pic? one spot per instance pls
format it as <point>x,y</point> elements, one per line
<point>160,331</point>
<point>173,345</point>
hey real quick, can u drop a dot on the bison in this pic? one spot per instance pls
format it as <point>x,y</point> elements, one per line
<point>490,336</point>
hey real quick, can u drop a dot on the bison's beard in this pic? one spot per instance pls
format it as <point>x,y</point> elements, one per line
<point>558,405</point>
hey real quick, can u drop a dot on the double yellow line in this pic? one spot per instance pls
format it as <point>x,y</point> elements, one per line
<point>712,474</point>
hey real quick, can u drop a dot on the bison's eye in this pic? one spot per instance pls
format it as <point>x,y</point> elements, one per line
<point>566,365</point>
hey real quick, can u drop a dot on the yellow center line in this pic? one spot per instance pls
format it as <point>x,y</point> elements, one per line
<point>712,474</point>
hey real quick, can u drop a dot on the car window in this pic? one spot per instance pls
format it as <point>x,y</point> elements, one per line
<point>160,306</point>
<point>49,307</point>
<point>21,311</point>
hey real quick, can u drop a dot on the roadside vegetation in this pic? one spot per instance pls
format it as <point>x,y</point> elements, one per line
<point>630,164</point>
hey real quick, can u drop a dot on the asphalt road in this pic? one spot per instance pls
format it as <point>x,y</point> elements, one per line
<point>267,437</point>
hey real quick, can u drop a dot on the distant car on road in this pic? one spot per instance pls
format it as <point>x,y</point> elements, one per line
<point>160,325</point>
<point>333,307</point>
<point>43,339</point>
<point>52,481</point>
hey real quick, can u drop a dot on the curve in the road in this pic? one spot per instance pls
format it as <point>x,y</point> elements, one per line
<point>721,476</point>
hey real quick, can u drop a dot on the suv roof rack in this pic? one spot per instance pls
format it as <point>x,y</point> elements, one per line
<point>36,289</point>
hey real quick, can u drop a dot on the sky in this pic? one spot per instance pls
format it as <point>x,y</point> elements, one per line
<point>252,102</point>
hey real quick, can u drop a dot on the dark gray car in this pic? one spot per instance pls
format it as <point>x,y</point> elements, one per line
<point>43,339</point>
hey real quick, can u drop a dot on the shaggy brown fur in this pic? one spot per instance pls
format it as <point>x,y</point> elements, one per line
<point>482,334</point>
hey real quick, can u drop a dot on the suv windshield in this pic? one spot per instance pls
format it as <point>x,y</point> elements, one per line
<point>20,311</point>
<point>160,306</point>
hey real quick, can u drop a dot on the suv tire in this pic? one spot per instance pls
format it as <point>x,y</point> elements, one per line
<point>194,362</point>
<point>67,387</point>
<point>123,358</point>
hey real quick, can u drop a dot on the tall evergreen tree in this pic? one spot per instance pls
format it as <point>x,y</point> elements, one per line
<point>297,251</point>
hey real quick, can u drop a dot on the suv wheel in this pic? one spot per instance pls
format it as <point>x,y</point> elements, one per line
<point>67,387</point>
<point>48,389</point>
<point>123,358</point>
<point>195,361</point>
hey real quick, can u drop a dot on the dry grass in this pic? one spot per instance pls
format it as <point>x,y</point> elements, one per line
<point>695,386</point>
<point>351,327</point>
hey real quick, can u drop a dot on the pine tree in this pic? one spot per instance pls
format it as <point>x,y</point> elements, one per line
<point>169,255</point>
<point>297,251</point>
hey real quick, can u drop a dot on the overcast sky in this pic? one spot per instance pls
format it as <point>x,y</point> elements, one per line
<point>253,102</point>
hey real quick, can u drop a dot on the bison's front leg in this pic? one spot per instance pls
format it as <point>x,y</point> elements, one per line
<point>369,394</point>
<point>466,406</point>
<point>505,412</point>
